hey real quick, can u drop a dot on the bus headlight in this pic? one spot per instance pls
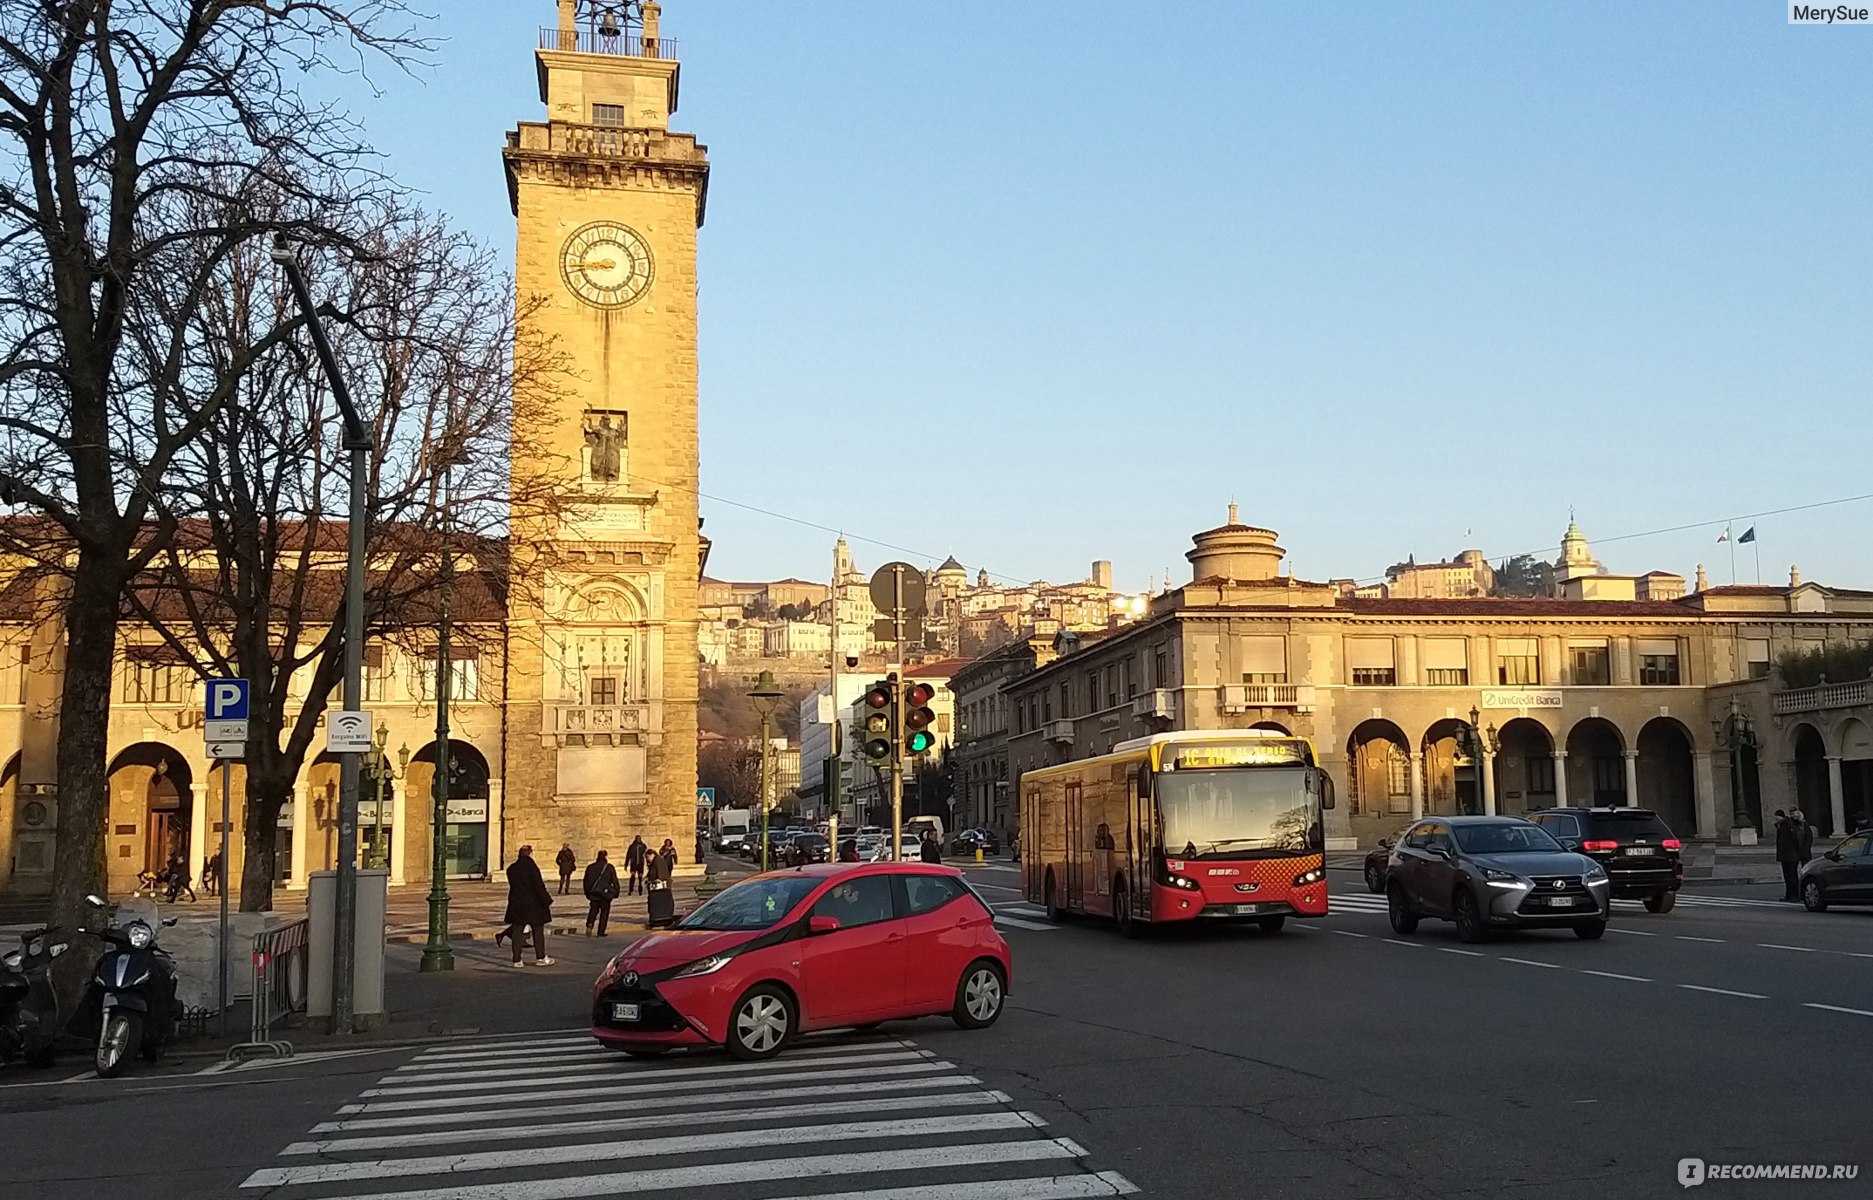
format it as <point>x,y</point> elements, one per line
<point>1306,878</point>
<point>1179,881</point>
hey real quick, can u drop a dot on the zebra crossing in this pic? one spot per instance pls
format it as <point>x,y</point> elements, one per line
<point>1024,916</point>
<point>560,1117</point>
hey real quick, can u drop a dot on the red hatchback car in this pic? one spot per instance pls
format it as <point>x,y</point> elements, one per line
<point>819,947</point>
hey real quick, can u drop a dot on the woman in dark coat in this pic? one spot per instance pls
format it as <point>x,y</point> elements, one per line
<point>529,904</point>
<point>659,901</point>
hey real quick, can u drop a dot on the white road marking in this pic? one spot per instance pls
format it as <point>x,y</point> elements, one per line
<point>1529,962</point>
<point>1350,933</point>
<point>1779,946</point>
<point>1685,937</point>
<point>587,1075</point>
<point>1858,1012</point>
<point>1616,975</point>
<point>1046,1187</point>
<point>758,1170</point>
<point>512,1132</point>
<point>632,1084</point>
<point>699,1100</point>
<point>1694,987</point>
<point>1018,923</point>
<point>539,1156</point>
<point>1401,942</point>
<point>1466,953</point>
<point>1631,932</point>
<point>610,1062</point>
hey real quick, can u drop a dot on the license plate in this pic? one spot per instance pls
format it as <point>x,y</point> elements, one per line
<point>1559,901</point>
<point>624,1012</point>
<point>1641,850</point>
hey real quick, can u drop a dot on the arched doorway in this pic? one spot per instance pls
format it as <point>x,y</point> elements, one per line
<point>1811,792</point>
<point>1273,727</point>
<point>465,833</point>
<point>1856,774</point>
<point>1380,776</point>
<point>1524,767</point>
<point>1596,764</point>
<point>151,809</point>
<point>1665,779</point>
<point>1450,775</point>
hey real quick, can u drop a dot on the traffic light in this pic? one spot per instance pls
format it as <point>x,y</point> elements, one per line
<point>919,736</point>
<point>877,734</point>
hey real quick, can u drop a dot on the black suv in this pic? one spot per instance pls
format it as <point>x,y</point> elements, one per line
<point>1639,852</point>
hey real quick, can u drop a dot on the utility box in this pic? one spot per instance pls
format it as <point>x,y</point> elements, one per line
<point>367,986</point>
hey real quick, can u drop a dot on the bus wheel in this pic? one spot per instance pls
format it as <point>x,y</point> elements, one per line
<point>1271,924</point>
<point>1122,913</point>
<point>1055,911</point>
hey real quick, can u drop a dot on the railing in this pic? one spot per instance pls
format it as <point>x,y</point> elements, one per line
<point>605,141</point>
<point>1059,731</point>
<point>624,43</point>
<point>1156,703</point>
<point>1267,695</point>
<point>605,720</point>
<point>279,988</point>
<point>1828,695</point>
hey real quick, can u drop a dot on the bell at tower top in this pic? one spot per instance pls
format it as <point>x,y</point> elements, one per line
<point>606,63</point>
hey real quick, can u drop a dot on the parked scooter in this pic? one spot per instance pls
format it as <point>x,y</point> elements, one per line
<point>132,996</point>
<point>29,1006</point>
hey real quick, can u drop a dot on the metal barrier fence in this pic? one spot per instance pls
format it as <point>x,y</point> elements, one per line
<point>280,961</point>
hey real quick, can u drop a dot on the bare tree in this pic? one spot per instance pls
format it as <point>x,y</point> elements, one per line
<point>251,586</point>
<point>138,141</point>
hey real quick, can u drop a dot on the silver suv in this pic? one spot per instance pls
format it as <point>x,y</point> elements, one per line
<point>1486,873</point>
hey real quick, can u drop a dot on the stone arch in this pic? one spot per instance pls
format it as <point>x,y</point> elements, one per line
<point>1596,763</point>
<point>1273,727</point>
<point>151,787</point>
<point>1451,782</point>
<point>465,833</point>
<point>1665,774</point>
<point>1524,766</point>
<point>1808,752</point>
<point>608,601</point>
<point>1856,773</point>
<point>1379,769</point>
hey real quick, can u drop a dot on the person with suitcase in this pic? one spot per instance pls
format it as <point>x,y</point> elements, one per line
<point>659,901</point>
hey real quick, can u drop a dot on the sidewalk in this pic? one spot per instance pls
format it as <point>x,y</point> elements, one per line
<point>476,909</point>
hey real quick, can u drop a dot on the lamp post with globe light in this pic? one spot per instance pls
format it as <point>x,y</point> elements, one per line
<point>765,694</point>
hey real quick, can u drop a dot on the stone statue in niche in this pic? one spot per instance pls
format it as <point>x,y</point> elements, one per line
<point>606,441</point>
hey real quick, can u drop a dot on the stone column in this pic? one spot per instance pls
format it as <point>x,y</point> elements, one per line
<point>1836,796</point>
<point>497,828</point>
<point>1560,778</point>
<point>1488,769</point>
<point>1632,778</point>
<point>399,852</point>
<point>302,820</point>
<point>1704,785</point>
<point>1417,785</point>
<point>201,846</point>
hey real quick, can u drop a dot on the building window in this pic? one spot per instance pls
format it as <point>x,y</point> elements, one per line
<point>1397,771</point>
<point>1756,658</point>
<point>156,676</point>
<point>1112,687</point>
<point>1264,658</point>
<point>1658,670</point>
<point>1540,775</point>
<point>1066,700</point>
<point>1160,669</point>
<point>1374,676</point>
<point>464,679</point>
<point>1591,666</point>
<point>1047,706</point>
<point>1370,661</point>
<point>1447,676</point>
<point>604,691</point>
<point>1446,662</point>
<point>1131,685</point>
<point>1092,691</point>
<point>376,679</point>
<point>1518,662</point>
<point>26,666</point>
<point>611,115</point>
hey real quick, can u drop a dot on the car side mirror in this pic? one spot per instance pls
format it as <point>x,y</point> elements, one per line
<point>1386,843</point>
<point>1571,844</point>
<point>817,925</point>
<point>1441,851</point>
<point>1831,855</point>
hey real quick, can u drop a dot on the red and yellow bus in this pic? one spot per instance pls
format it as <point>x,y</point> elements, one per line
<point>1180,827</point>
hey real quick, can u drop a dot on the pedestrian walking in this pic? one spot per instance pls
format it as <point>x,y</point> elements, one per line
<point>601,888</point>
<point>659,901</point>
<point>1804,835</point>
<point>928,850</point>
<point>179,878</point>
<point>566,862</point>
<point>529,906</point>
<point>636,857</point>
<point>702,845</point>
<point>1787,853</point>
<point>210,867</point>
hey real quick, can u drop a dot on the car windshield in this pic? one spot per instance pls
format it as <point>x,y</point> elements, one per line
<point>1626,826</point>
<point>1242,813</point>
<point>1505,839</point>
<point>811,841</point>
<point>751,904</point>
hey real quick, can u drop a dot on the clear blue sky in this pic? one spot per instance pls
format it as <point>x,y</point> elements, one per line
<point>1041,283</point>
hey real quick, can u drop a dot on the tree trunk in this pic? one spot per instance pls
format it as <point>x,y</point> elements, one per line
<point>78,867</point>
<point>266,795</point>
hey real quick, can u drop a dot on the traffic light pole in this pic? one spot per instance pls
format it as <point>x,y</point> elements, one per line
<point>897,719</point>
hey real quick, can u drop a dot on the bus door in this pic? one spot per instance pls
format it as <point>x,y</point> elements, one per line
<point>1076,848</point>
<point>1141,838</point>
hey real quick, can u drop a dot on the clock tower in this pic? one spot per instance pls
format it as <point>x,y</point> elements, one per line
<point>602,666</point>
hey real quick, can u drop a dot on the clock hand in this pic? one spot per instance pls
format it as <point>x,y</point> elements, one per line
<point>601,264</point>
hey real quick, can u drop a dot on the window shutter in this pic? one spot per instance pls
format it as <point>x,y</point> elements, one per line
<point>1516,648</point>
<point>1756,650</point>
<point>1369,653</point>
<point>1446,654</point>
<point>1658,647</point>
<point>1265,655</point>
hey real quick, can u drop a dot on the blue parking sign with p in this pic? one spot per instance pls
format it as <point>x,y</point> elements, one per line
<point>227,700</point>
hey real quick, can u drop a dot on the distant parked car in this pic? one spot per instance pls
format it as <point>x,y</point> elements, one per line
<point>1376,860</point>
<point>1843,875</point>
<point>1639,853</point>
<point>969,840</point>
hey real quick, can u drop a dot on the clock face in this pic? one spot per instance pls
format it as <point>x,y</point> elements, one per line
<point>607,265</point>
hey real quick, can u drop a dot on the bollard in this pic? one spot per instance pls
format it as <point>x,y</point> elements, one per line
<point>978,856</point>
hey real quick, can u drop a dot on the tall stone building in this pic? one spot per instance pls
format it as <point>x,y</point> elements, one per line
<point>603,616</point>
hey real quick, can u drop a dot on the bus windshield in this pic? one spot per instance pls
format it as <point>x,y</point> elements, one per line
<point>1253,812</point>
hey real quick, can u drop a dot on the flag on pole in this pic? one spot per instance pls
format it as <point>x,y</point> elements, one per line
<point>1749,535</point>
<point>1724,536</point>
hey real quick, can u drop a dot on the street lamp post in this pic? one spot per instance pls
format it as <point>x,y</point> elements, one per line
<point>1736,734</point>
<point>380,772</point>
<point>765,694</point>
<point>438,955</point>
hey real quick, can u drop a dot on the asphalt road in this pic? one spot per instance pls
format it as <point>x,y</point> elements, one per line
<point>1331,1059</point>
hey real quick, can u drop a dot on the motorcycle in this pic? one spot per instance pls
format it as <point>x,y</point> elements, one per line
<point>29,1006</point>
<point>132,996</point>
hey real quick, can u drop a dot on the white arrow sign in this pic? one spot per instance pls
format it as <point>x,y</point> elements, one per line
<point>348,733</point>
<point>227,750</point>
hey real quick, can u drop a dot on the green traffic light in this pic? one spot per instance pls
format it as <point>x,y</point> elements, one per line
<point>920,742</point>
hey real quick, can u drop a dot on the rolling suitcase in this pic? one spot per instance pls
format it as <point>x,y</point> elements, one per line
<point>660,901</point>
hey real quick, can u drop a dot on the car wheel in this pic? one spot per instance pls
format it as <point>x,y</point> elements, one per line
<point>762,1022</point>
<point>1271,924</point>
<point>1471,927</point>
<point>1122,913</point>
<point>1404,921</point>
<point>979,996</point>
<point>1590,931</point>
<point>1661,902</point>
<point>1813,898</point>
<point>1375,882</point>
<point>1055,911</point>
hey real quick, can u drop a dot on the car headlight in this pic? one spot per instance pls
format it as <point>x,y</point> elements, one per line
<point>139,935</point>
<point>703,966</point>
<point>12,959</point>
<point>1310,877</point>
<point>1179,881</point>
<point>1504,879</point>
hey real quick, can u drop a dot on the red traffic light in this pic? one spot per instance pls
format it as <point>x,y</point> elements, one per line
<point>879,696</point>
<point>918,694</point>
